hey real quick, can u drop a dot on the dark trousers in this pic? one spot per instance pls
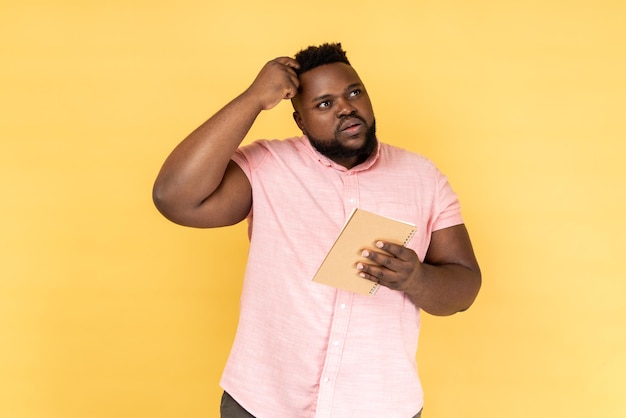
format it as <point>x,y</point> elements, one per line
<point>229,408</point>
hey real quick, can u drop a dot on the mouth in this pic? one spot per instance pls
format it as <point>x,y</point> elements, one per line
<point>351,126</point>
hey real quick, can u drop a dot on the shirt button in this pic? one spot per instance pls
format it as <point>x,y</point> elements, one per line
<point>343,306</point>
<point>335,343</point>
<point>326,380</point>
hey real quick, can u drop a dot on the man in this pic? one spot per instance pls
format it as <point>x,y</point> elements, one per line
<point>305,349</point>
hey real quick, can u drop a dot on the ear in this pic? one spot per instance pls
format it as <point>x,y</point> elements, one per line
<point>298,119</point>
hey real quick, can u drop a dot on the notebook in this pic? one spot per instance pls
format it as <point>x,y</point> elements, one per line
<point>361,230</point>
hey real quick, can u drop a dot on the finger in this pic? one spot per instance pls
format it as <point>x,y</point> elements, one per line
<point>289,62</point>
<point>290,94</point>
<point>290,65</point>
<point>379,275</point>
<point>370,272</point>
<point>389,262</point>
<point>295,83</point>
<point>398,251</point>
<point>289,78</point>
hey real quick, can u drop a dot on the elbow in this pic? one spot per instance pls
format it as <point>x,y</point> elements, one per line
<point>159,199</point>
<point>164,202</point>
<point>173,205</point>
<point>472,292</point>
<point>456,298</point>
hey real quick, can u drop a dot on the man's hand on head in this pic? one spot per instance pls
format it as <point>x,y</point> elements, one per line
<point>276,81</point>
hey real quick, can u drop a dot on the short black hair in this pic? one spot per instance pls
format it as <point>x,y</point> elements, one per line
<point>315,56</point>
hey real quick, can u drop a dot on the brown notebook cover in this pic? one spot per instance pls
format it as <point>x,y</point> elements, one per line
<point>361,231</point>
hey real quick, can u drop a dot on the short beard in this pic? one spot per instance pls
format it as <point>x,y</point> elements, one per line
<point>334,149</point>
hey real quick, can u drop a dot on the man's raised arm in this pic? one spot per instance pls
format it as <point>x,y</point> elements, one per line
<point>198,184</point>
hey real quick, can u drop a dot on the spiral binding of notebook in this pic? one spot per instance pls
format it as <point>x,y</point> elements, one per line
<point>409,238</point>
<point>374,289</point>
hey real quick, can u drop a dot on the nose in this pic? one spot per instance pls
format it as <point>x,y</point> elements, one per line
<point>345,108</point>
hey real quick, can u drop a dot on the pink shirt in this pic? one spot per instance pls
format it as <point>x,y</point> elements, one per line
<point>305,349</point>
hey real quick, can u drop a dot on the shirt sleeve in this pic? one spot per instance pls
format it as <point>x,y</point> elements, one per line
<point>251,156</point>
<point>242,158</point>
<point>447,206</point>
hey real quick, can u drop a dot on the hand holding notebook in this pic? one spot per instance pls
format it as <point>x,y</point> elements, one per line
<point>361,230</point>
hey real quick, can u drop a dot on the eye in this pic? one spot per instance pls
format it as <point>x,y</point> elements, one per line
<point>355,92</point>
<point>323,105</point>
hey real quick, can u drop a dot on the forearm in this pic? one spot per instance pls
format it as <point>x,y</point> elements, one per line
<point>195,168</point>
<point>197,172</point>
<point>445,289</point>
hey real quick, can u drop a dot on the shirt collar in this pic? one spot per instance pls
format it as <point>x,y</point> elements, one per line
<point>327,162</point>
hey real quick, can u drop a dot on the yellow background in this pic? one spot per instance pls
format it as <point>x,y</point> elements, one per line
<point>108,310</point>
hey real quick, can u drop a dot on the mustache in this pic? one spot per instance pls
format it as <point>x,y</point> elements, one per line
<point>343,119</point>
